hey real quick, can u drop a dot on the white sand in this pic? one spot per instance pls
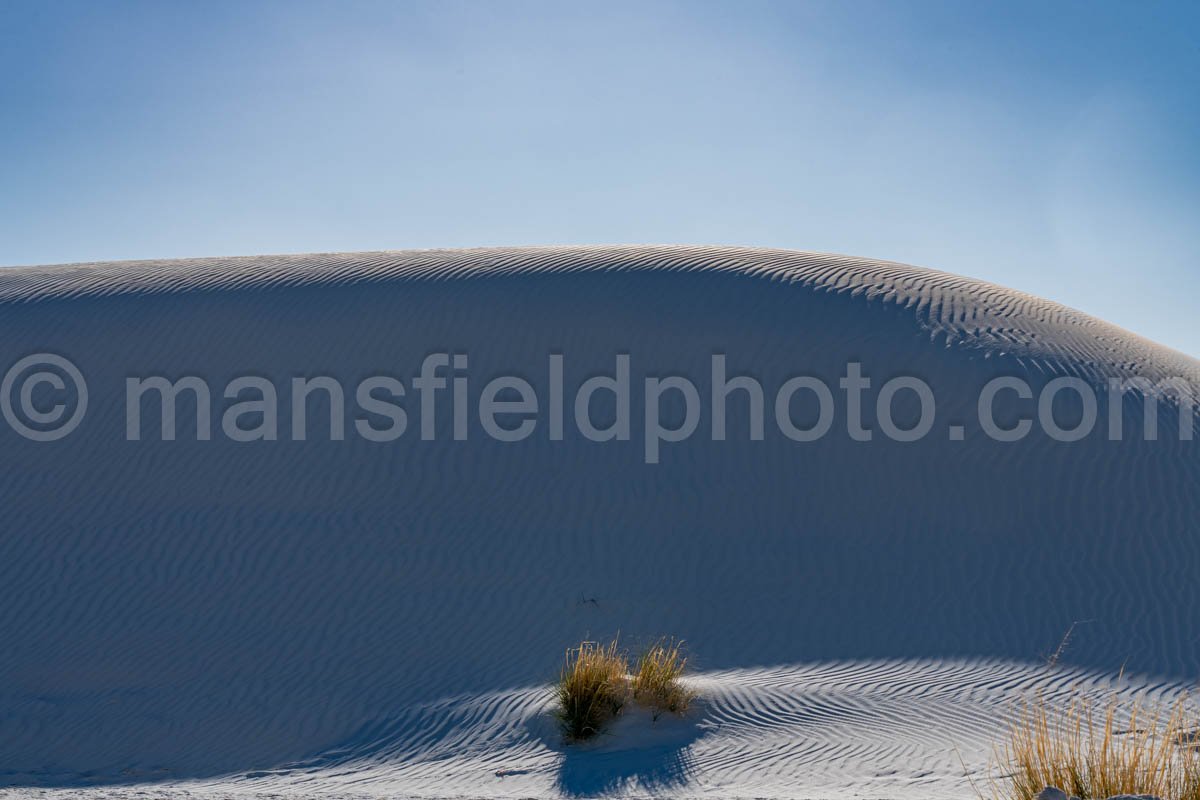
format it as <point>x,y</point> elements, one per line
<point>355,618</point>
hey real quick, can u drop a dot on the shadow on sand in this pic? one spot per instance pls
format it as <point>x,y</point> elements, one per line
<point>638,753</point>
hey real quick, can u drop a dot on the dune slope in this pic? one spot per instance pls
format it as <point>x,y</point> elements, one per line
<point>371,617</point>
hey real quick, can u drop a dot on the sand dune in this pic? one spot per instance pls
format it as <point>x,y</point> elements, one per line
<point>358,617</point>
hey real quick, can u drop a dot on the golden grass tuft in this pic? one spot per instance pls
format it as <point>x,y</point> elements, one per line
<point>592,688</point>
<point>656,680</point>
<point>1095,750</point>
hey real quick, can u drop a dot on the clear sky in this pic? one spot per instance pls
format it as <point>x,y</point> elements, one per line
<point>1053,147</point>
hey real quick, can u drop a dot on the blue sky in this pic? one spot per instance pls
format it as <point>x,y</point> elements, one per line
<point>1051,147</point>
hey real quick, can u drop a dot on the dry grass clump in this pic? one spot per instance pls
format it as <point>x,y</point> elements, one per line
<point>1092,751</point>
<point>656,680</point>
<point>595,683</point>
<point>592,687</point>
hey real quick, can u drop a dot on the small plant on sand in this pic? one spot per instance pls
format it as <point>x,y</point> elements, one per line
<point>1090,751</point>
<point>656,681</point>
<point>592,687</point>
